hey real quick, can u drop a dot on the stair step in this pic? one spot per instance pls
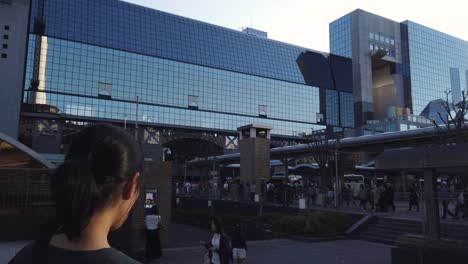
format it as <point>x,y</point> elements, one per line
<point>399,230</point>
<point>399,223</point>
<point>391,231</point>
<point>383,234</point>
<point>387,230</point>
<point>378,239</point>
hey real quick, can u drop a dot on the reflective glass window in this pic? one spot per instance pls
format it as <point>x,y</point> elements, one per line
<point>79,76</point>
<point>431,56</point>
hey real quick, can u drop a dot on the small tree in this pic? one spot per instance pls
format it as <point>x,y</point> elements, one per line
<point>454,127</point>
<point>321,150</point>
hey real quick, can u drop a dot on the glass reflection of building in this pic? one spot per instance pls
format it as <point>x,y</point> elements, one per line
<point>97,57</point>
<point>438,63</point>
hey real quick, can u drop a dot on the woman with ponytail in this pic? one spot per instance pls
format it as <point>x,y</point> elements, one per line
<point>94,191</point>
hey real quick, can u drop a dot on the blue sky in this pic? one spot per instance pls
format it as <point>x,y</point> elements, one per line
<point>305,22</point>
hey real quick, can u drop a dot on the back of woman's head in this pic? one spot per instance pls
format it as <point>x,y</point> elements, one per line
<point>219,229</point>
<point>99,160</point>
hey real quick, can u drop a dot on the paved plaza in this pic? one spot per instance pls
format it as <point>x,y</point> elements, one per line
<point>289,251</point>
<point>185,249</point>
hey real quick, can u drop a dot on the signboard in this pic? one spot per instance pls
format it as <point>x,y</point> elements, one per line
<point>150,198</point>
<point>213,173</point>
<point>302,203</point>
<point>257,198</point>
<point>209,203</point>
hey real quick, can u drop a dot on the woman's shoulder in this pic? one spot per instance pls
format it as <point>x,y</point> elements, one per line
<point>117,257</point>
<point>58,255</point>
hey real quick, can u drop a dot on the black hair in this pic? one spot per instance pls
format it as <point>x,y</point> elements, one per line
<point>100,158</point>
<point>218,225</point>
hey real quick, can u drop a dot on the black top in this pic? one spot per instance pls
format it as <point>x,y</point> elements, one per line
<point>238,240</point>
<point>59,255</point>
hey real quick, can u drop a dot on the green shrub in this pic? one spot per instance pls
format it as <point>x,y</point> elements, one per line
<point>321,223</point>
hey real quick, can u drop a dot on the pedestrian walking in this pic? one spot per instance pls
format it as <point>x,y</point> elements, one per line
<point>391,196</point>
<point>444,195</point>
<point>363,196</point>
<point>460,207</point>
<point>253,191</point>
<point>311,194</point>
<point>219,249</point>
<point>153,239</point>
<point>346,194</point>
<point>330,197</point>
<point>239,245</point>
<point>413,198</point>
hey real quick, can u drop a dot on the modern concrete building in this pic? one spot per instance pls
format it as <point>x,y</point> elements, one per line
<point>13,31</point>
<point>398,68</point>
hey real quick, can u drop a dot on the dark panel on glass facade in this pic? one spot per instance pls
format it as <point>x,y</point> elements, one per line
<point>347,109</point>
<point>316,70</point>
<point>343,70</point>
<point>404,68</point>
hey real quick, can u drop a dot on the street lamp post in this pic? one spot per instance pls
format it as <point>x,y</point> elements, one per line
<point>447,92</point>
<point>337,185</point>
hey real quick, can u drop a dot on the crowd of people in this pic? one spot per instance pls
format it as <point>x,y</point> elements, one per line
<point>378,197</point>
<point>453,199</point>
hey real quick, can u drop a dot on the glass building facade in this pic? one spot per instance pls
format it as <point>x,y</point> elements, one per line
<point>398,68</point>
<point>437,64</point>
<point>340,37</point>
<point>104,59</point>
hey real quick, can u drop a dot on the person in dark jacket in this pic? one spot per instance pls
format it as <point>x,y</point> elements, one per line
<point>219,247</point>
<point>413,198</point>
<point>239,246</point>
<point>391,196</point>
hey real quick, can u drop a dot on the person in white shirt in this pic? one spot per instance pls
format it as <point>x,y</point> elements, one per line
<point>153,241</point>
<point>219,248</point>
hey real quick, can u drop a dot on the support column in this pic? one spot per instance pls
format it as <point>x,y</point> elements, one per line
<point>431,213</point>
<point>403,180</point>
<point>255,157</point>
<point>254,154</point>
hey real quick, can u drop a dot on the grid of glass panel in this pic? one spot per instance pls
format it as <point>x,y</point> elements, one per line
<point>347,109</point>
<point>455,84</point>
<point>340,36</point>
<point>124,26</point>
<point>332,113</point>
<point>75,74</point>
<point>432,54</point>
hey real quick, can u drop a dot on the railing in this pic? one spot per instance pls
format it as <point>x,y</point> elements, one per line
<point>25,188</point>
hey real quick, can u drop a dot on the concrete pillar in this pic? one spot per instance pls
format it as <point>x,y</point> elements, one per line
<point>403,180</point>
<point>431,212</point>
<point>159,177</point>
<point>131,238</point>
<point>254,154</point>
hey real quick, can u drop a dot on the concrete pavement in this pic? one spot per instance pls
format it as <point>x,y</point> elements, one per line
<point>289,251</point>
